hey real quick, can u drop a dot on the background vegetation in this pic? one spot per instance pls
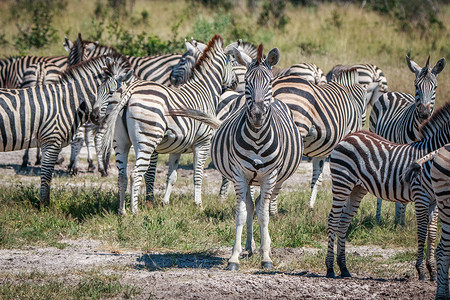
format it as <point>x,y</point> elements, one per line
<point>326,33</point>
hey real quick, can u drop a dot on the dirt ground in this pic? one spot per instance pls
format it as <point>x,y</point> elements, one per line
<point>170,275</point>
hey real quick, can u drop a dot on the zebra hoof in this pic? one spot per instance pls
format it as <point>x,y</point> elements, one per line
<point>91,169</point>
<point>268,265</point>
<point>233,267</point>
<point>345,274</point>
<point>330,274</point>
<point>38,162</point>
<point>103,172</point>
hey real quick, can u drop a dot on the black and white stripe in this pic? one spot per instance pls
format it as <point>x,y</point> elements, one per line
<point>323,114</point>
<point>397,116</point>
<point>365,162</point>
<point>48,116</point>
<point>257,145</point>
<point>145,125</point>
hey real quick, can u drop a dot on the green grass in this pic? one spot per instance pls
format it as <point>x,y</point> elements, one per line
<point>37,285</point>
<point>181,226</point>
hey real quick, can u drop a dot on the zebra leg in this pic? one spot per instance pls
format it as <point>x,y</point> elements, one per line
<point>224,187</point>
<point>174,159</point>
<point>241,187</point>
<point>25,158</point>
<point>250,242</point>
<point>39,156</point>
<point>348,213</point>
<point>149,177</point>
<point>262,212</point>
<point>122,145</point>
<point>200,155</point>
<point>443,252</point>
<point>102,162</point>
<point>273,207</point>
<point>50,155</point>
<point>378,213</point>
<point>431,240</point>
<point>75,149</point>
<point>422,224</point>
<point>400,209</point>
<point>89,138</point>
<point>316,181</point>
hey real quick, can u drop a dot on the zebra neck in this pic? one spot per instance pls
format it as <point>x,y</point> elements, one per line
<point>207,86</point>
<point>434,141</point>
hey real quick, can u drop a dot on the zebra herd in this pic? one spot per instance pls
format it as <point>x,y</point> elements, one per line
<point>255,120</point>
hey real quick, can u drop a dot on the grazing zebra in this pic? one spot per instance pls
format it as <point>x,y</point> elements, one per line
<point>145,126</point>
<point>48,116</point>
<point>367,74</point>
<point>365,162</point>
<point>432,173</point>
<point>397,116</point>
<point>324,114</point>
<point>257,145</point>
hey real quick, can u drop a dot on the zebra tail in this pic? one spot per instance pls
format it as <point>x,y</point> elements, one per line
<point>109,125</point>
<point>196,115</point>
<point>415,168</point>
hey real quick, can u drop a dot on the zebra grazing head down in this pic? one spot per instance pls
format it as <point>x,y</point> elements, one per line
<point>115,73</point>
<point>426,85</point>
<point>258,83</point>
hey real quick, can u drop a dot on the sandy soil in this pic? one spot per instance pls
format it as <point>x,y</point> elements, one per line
<point>203,275</point>
<point>197,275</point>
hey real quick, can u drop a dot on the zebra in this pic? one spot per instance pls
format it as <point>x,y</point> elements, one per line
<point>397,116</point>
<point>154,68</point>
<point>432,173</point>
<point>26,71</point>
<point>48,116</point>
<point>367,74</point>
<point>182,71</point>
<point>41,73</point>
<point>145,126</point>
<point>308,71</point>
<point>365,162</point>
<point>323,114</point>
<point>257,145</point>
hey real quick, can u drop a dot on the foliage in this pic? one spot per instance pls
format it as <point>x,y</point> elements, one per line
<point>35,22</point>
<point>273,14</point>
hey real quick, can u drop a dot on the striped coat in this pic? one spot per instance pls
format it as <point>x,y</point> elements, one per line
<point>145,125</point>
<point>48,116</point>
<point>364,162</point>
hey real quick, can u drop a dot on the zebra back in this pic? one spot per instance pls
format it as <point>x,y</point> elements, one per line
<point>41,73</point>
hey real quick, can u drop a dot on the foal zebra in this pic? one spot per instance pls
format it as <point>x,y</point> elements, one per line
<point>397,116</point>
<point>48,116</point>
<point>367,74</point>
<point>145,126</point>
<point>324,115</point>
<point>365,162</point>
<point>257,145</point>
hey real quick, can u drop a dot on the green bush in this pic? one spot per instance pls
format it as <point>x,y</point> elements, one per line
<point>34,19</point>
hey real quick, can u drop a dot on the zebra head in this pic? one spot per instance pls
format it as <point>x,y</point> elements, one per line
<point>426,85</point>
<point>258,83</point>
<point>116,72</point>
<point>82,50</point>
<point>182,71</point>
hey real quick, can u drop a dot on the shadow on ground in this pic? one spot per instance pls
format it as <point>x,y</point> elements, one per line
<point>202,260</point>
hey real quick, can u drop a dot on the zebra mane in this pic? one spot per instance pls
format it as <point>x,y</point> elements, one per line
<point>249,49</point>
<point>346,76</point>
<point>72,72</point>
<point>215,42</point>
<point>437,120</point>
<point>118,64</point>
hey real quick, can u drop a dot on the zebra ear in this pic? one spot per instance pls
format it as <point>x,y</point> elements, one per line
<point>273,57</point>
<point>91,46</point>
<point>109,60</point>
<point>200,46</point>
<point>67,44</point>
<point>438,67</point>
<point>189,46</point>
<point>413,66</point>
<point>241,57</point>
<point>126,77</point>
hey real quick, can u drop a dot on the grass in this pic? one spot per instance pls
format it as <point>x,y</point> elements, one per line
<point>35,285</point>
